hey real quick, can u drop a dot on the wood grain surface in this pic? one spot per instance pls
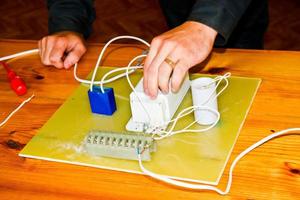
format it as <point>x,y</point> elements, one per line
<point>270,172</point>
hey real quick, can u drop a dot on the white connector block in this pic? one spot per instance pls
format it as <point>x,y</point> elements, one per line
<point>153,114</point>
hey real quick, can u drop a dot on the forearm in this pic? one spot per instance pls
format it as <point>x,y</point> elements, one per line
<point>71,15</point>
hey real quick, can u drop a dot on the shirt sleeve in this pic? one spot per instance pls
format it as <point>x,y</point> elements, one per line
<point>221,15</point>
<point>71,15</point>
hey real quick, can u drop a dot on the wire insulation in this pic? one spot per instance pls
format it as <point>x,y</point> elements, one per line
<point>15,110</point>
<point>230,176</point>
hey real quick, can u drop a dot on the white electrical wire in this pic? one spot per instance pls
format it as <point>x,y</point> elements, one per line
<point>97,82</point>
<point>163,134</point>
<point>190,109</point>
<point>32,51</point>
<point>23,53</point>
<point>160,134</point>
<point>209,187</point>
<point>91,82</point>
<point>103,81</point>
<point>15,110</point>
<point>218,79</point>
<point>104,49</point>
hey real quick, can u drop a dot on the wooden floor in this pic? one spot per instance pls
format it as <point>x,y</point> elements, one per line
<point>27,19</point>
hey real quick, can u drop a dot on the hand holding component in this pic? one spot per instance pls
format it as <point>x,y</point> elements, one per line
<point>61,50</point>
<point>173,53</point>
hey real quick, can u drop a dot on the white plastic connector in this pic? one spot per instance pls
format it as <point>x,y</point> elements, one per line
<point>153,114</point>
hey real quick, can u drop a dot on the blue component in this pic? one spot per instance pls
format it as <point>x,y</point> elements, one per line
<point>102,103</point>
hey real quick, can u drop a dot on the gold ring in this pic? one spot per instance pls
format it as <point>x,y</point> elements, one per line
<point>170,62</point>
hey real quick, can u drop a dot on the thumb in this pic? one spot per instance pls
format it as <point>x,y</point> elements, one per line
<point>74,56</point>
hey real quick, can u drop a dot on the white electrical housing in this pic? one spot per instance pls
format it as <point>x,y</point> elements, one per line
<point>154,114</point>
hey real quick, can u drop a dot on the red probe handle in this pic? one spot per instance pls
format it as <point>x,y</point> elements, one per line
<point>16,82</point>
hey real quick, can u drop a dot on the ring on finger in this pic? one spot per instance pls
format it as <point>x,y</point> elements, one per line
<point>170,62</point>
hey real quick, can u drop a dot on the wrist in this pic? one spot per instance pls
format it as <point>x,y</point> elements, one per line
<point>68,33</point>
<point>209,33</point>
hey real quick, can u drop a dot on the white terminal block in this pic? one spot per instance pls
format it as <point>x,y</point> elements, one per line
<point>204,94</point>
<point>154,114</point>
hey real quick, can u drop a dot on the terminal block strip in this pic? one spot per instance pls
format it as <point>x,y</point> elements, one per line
<point>119,145</point>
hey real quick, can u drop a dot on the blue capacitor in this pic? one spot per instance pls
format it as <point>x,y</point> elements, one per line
<point>102,103</point>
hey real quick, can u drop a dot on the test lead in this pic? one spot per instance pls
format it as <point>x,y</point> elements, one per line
<point>16,82</point>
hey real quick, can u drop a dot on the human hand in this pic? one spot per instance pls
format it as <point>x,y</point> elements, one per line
<point>62,49</point>
<point>184,46</point>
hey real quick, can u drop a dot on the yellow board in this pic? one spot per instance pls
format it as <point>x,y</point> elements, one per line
<point>196,157</point>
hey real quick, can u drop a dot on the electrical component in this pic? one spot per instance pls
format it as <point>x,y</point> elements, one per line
<point>119,145</point>
<point>204,94</point>
<point>102,102</point>
<point>16,82</point>
<point>149,114</point>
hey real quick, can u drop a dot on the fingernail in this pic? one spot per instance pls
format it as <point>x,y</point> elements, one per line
<point>153,96</point>
<point>164,92</point>
<point>173,90</point>
<point>67,65</point>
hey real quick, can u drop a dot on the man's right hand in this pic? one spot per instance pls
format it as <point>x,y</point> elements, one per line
<point>62,49</point>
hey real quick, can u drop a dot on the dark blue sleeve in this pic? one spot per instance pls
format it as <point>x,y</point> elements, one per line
<point>71,15</point>
<point>221,15</point>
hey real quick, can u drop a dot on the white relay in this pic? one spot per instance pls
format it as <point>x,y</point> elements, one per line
<point>154,113</point>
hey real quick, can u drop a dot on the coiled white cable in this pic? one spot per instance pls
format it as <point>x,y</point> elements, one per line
<point>209,187</point>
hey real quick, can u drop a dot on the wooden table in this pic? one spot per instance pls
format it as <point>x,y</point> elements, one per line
<point>270,172</point>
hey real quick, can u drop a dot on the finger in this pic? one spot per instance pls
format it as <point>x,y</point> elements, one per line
<point>43,48</point>
<point>47,48</point>
<point>178,75</point>
<point>167,47</point>
<point>57,53</point>
<point>40,48</point>
<point>154,47</point>
<point>164,76</point>
<point>165,70</point>
<point>74,55</point>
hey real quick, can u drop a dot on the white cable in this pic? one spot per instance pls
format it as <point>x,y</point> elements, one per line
<point>14,111</point>
<point>27,52</point>
<point>209,187</point>
<point>218,79</point>
<point>103,81</point>
<point>170,132</point>
<point>104,49</point>
<point>97,82</point>
<point>163,134</point>
<point>23,53</point>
